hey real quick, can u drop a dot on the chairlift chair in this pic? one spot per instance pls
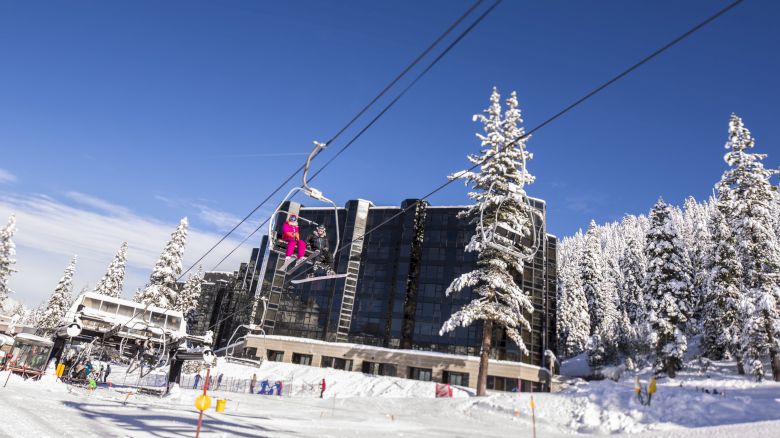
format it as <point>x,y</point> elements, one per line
<point>312,193</point>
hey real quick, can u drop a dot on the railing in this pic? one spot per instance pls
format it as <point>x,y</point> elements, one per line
<point>262,386</point>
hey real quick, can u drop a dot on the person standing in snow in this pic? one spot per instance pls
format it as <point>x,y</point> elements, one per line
<point>197,381</point>
<point>252,384</point>
<point>322,388</point>
<point>318,240</point>
<point>219,381</point>
<point>291,234</point>
<point>108,371</point>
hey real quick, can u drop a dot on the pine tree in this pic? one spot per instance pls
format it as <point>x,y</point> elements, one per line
<point>161,290</point>
<point>190,293</point>
<point>632,264</point>
<point>573,319</point>
<point>496,281</point>
<point>112,282</point>
<point>667,286</point>
<point>721,311</point>
<point>59,301</point>
<point>15,309</point>
<point>7,257</point>
<point>698,250</point>
<point>601,304</point>
<point>754,219</point>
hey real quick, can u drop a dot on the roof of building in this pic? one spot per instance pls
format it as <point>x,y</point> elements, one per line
<point>388,350</point>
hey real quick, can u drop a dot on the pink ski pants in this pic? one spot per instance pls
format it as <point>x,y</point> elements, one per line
<point>301,248</point>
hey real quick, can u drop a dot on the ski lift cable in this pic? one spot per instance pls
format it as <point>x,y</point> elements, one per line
<point>392,83</point>
<point>547,121</point>
<point>557,115</point>
<point>380,114</point>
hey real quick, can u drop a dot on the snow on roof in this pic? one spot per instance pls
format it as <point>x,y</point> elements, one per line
<point>388,350</point>
<point>32,338</point>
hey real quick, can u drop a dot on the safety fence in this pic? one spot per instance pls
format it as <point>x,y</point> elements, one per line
<point>286,388</point>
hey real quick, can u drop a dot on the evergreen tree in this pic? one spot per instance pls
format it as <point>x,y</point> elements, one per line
<point>500,299</point>
<point>601,304</point>
<point>754,221</point>
<point>573,319</point>
<point>15,309</point>
<point>698,250</point>
<point>59,301</point>
<point>161,290</point>
<point>721,310</point>
<point>667,286</point>
<point>112,282</point>
<point>190,293</point>
<point>632,265</point>
<point>7,257</point>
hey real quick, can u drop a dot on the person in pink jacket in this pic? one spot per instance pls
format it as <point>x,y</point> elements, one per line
<point>291,234</point>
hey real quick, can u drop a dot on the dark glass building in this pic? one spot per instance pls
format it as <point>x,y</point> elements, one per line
<point>394,292</point>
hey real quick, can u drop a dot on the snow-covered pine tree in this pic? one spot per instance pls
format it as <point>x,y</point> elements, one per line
<point>112,282</point>
<point>496,281</point>
<point>722,322</point>
<point>753,220</point>
<point>15,308</point>
<point>59,301</point>
<point>190,293</point>
<point>613,245</point>
<point>602,345</point>
<point>573,319</point>
<point>632,264</point>
<point>161,290</point>
<point>667,287</point>
<point>7,257</point>
<point>698,249</point>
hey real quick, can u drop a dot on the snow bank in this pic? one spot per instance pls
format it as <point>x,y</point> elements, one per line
<point>577,366</point>
<point>305,381</point>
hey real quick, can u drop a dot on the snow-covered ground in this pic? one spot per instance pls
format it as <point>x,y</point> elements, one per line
<point>361,405</point>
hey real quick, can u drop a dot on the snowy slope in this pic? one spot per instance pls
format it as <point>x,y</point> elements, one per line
<point>382,406</point>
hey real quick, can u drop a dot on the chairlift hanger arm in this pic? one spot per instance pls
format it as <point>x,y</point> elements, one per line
<point>318,147</point>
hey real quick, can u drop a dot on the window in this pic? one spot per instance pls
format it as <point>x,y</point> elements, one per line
<point>460,379</point>
<point>126,311</point>
<point>379,369</point>
<point>508,384</point>
<point>174,323</point>
<point>301,359</point>
<point>91,303</point>
<point>109,307</point>
<point>423,374</point>
<point>275,356</point>
<point>158,319</point>
<point>336,362</point>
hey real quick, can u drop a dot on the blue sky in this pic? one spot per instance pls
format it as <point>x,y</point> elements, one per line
<point>141,112</point>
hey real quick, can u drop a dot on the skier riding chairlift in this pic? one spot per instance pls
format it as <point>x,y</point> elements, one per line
<point>291,234</point>
<point>318,241</point>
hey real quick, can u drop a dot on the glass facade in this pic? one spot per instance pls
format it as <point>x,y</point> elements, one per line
<point>405,266</point>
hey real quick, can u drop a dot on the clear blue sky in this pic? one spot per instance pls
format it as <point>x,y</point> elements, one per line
<point>199,108</point>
